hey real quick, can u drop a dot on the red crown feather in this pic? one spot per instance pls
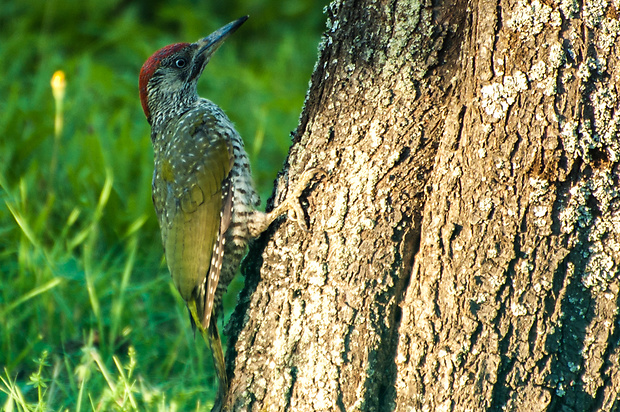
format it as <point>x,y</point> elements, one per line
<point>150,66</point>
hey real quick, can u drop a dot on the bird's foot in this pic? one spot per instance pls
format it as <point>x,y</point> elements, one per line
<point>291,204</point>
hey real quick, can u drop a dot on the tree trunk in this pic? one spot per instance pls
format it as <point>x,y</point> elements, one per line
<point>464,247</point>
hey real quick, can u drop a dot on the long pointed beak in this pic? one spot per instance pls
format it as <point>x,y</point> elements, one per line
<point>212,42</point>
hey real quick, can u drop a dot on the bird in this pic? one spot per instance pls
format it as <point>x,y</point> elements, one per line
<point>202,188</point>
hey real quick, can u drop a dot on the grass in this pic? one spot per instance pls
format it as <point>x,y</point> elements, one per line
<point>89,318</point>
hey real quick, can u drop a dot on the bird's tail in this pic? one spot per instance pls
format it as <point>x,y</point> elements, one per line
<point>218,359</point>
<point>212,337</point>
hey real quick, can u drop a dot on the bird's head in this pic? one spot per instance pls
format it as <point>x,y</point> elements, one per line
<point>168,78</point>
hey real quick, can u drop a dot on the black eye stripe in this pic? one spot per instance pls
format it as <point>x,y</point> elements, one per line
<point>197,67</point>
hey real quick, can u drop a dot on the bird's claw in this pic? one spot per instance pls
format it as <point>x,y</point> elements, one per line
<point>296,214</point>
<point>292,203</point>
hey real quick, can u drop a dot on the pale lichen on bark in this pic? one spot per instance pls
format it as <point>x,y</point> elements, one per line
<point>519,247</point>
<point>330,298</point>
<point>524,266</point>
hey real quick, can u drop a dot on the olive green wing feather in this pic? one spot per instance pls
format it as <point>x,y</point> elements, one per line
<point>192,172</point>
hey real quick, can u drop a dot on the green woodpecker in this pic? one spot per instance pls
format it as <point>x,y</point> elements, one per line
<point>203,192</point>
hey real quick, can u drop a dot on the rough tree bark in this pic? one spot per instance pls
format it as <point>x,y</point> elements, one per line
<point>464,247</point>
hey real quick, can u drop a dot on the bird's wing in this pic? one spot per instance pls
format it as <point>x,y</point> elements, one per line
<point>217,258</point>
<point>193,172</point>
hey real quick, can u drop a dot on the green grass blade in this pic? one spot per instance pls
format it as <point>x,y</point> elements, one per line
<point>34,292</point>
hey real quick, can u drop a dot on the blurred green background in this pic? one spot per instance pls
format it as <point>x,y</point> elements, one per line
<point>89,319</point>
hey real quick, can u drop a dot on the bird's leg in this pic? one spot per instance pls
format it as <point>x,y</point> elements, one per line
<point>291,203</point>
<point>212,339</point>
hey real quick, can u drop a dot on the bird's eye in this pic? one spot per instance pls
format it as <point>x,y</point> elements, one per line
<point>180,63</point>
